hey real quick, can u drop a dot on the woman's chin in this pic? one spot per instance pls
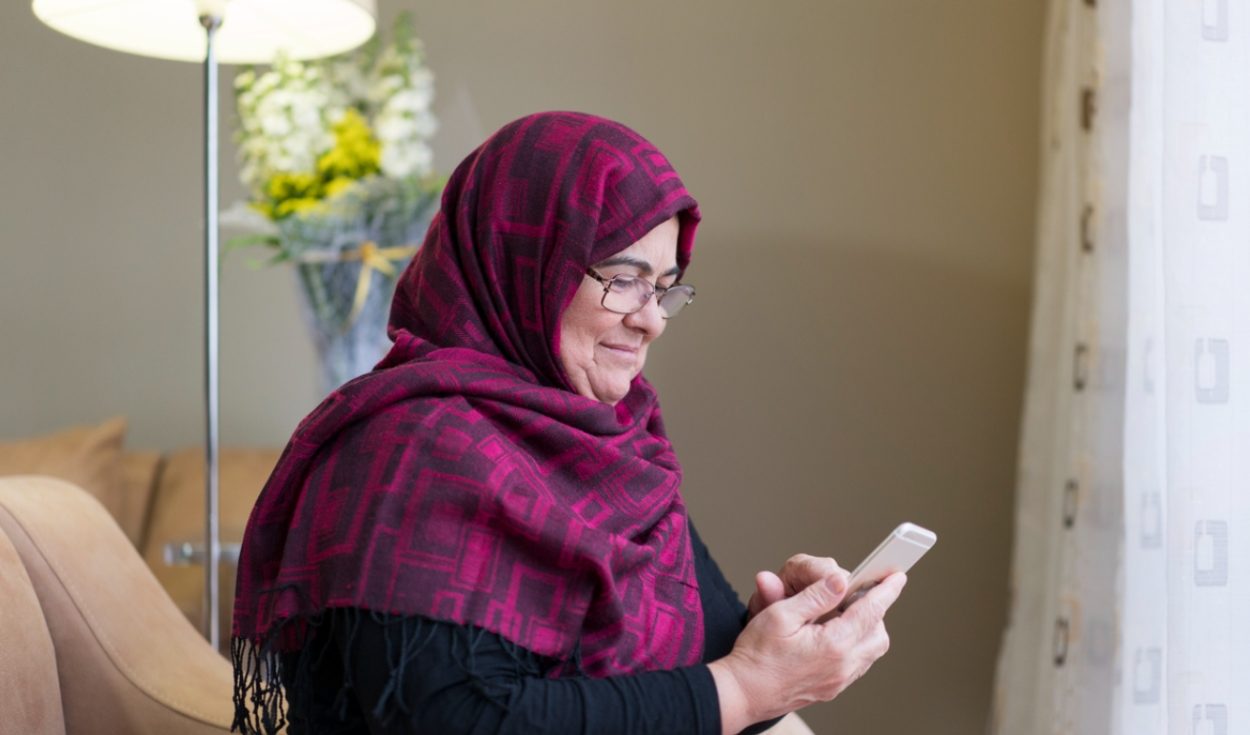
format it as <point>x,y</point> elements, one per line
<point>612,392</point>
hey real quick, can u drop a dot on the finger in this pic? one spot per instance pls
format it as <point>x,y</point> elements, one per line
<point>812,602</point>
<point>769,588</point>
<point>801,570</point>
<point>866,613</point>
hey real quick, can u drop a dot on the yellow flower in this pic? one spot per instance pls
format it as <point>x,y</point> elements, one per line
<point>295,206</point>
<point>356,152</point>
<point>355,155</point>
<point>334,186</point>
<point>289,192</point>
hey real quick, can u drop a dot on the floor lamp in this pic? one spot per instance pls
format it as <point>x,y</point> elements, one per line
<point>212,32</point>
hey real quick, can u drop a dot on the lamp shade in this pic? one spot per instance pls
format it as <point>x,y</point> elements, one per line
<point>252,31</point>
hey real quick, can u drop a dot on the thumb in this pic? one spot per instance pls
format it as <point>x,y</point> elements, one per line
<point>815,600</point>
<point>769,587</point>
<point>764,593</point>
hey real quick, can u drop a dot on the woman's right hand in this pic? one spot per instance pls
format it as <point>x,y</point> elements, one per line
<point>783,660</point>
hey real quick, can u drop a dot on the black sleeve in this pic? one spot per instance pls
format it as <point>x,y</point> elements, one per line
<point>723,612</point>
<point>415,675</point>
<point>724,615</point>
<point>369,673</point>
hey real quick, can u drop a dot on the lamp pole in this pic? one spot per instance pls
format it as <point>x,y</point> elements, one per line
<point>212,537</point>
<point>303,28</point>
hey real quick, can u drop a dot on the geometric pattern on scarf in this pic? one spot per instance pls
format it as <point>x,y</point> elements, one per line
<point>462,479</point>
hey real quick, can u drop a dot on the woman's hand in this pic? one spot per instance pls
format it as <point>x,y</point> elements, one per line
<point>783,661</point>
<point>796,574</point>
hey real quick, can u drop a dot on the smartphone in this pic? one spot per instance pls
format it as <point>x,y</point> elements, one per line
<point>897,553</point>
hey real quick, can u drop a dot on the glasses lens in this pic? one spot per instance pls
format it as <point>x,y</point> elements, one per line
<point>675,299</point>
<point>627,294</point>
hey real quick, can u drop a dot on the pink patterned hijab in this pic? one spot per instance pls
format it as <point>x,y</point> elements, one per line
<point>463,479</point>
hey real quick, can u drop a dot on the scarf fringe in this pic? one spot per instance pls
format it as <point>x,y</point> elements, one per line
<point>259,698</point>
<point>274,677</point>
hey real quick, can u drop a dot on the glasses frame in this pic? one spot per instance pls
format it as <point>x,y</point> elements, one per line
<point>660,290</point>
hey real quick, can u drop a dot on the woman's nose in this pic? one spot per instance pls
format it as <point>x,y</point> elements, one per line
<point>650,318</point>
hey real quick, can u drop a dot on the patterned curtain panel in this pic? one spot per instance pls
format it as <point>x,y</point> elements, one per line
<point>1131,597</point>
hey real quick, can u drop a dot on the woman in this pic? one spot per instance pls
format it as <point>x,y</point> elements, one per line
<point>486,533</point>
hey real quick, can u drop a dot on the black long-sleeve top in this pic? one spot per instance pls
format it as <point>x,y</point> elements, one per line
<point>367,673</point>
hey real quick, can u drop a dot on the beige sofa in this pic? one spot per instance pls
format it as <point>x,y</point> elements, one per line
<point>98,633</point>
<point>157,499</point>
<point>89,642</point>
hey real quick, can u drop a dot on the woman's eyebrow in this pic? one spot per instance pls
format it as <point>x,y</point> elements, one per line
<point>643,266</point>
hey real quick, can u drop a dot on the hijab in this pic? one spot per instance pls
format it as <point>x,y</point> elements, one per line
<point>463,479</point>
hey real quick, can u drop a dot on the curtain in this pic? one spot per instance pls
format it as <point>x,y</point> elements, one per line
<point>1130,610</point>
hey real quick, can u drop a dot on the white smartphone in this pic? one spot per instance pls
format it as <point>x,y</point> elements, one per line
<point>897,553</point>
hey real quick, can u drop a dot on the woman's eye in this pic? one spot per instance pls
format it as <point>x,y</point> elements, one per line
<point>621,284</point>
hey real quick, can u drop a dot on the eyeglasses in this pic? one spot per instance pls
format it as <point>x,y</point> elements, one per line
<point>627,294</point>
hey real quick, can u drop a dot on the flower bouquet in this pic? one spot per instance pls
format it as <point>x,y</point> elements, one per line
<point>336,158</point>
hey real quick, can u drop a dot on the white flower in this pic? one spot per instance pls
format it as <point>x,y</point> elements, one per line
<point>275,125</point>
<point>399,161</point>
<point>308,117</point>
<point>392,128</point>
<point>425,125</point>
<point>411,100</point>
<point>382,88</point>
<point>286,113</point>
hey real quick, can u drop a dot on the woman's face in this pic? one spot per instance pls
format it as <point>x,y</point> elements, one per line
<point>601,351</point>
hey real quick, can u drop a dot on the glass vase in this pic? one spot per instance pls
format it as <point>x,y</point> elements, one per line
<point>347,344</point>
<point>374,228</point>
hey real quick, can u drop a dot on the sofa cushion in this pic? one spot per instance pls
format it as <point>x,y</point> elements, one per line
<point>87,456</point>
<point>177,516</point>
<point>138,481</point>
<point>32,696</point>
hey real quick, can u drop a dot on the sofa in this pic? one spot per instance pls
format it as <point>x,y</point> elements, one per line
<point>156,498</point>
<point>99,632</point>
<point>89,642</point>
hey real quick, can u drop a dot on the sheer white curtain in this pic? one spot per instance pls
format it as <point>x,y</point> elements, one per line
<point>1131,599</point>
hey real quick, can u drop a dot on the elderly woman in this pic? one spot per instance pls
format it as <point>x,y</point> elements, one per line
<point>486,533</point>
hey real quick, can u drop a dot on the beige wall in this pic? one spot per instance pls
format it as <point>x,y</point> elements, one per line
<point>867,174</point>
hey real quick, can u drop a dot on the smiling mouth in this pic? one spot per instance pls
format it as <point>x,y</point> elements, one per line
<point>621,349</point>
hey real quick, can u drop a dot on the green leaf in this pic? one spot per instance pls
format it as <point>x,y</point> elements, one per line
<point>246,241</point>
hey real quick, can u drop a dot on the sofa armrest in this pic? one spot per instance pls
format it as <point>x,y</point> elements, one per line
<point>32,696</point>
<point>127,660</point>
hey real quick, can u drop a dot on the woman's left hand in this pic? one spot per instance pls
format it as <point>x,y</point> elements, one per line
<point>796,574</point>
